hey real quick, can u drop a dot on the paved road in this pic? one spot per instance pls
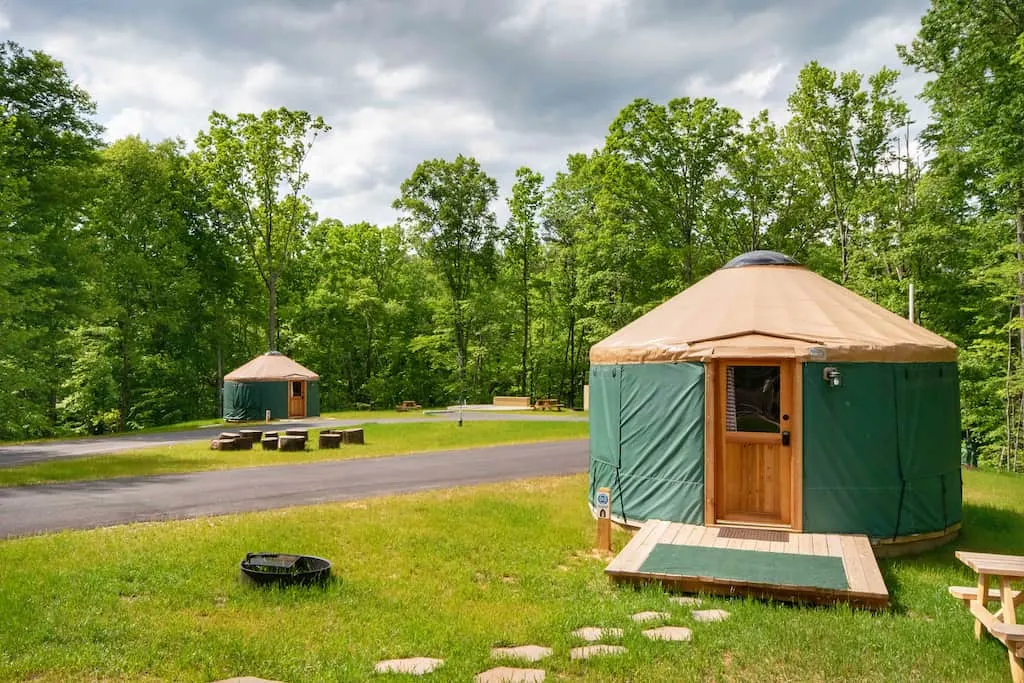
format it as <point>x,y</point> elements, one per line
<point>12,456</point>
<point>80,505</point>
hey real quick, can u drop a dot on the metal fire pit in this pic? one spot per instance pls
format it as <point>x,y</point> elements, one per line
<point>285,570</point>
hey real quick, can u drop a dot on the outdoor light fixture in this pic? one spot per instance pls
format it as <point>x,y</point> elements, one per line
<point>832,376</point>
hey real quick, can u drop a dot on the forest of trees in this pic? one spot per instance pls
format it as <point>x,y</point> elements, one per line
<point>133,275</point>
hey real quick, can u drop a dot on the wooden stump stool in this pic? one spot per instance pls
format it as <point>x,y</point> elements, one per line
<point>330,439</point>
<point>252,435</point>
<point>221,444</point>
<point>269,441</point>
<point>291,442</point>
<point>352,435</point>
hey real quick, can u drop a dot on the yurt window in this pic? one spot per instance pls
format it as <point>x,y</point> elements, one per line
<point>296,390</point>
<point>752,398</point>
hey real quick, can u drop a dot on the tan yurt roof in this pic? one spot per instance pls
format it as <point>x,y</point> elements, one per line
<point>764,304</point>
<point>270,367</point>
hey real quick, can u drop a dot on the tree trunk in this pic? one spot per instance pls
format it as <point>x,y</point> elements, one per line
<point>122,388</point>
<point>272,314</point>
<point>526,322</point>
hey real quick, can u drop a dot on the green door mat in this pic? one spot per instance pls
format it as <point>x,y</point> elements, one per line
<point>781,569</point>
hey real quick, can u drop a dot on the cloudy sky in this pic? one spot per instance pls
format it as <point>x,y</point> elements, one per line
<point>511,82</point>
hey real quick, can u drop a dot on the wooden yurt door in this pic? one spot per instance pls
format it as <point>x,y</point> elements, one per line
<point>756,421</point>
<point>296,398</point>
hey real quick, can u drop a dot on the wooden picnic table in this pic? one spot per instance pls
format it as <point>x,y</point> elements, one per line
<point>1001,624</point>
<point>547,404</point>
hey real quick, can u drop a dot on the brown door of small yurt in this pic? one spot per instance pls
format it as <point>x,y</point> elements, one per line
<point>753,473</point>
<point>296,399</point>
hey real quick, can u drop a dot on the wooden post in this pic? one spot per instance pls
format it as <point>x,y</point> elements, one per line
<point>604,521</point>
<point>268,417</point>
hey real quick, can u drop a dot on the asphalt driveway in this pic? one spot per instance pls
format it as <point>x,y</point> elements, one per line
<point>78,505</point>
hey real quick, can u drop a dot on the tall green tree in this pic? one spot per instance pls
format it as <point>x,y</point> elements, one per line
<point>144,281</point>
<point>522,248</point>
<point>447,205</point>
<point>48,144</point>
<point>973,53</point>
<point>254,166</point>
<point>843,132</point>
<point>671,154</point>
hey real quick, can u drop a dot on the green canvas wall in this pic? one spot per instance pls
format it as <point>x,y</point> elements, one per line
<point>882,451</point>
<point>647,439</point>
<point>250,400</point>
<point>312,399</point>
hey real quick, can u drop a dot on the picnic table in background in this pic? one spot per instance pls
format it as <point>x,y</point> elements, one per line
<point>547,404</point>
<point>407,405</point>
<point>1001,624</point>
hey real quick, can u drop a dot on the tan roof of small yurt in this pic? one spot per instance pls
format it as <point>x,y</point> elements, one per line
<point>765,304</point>
<point>270,367</point>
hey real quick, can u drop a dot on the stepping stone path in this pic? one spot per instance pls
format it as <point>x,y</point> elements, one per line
<point>669,633</point>
<point>417,666</point>
<point>592,633</point>
<point>528,653</point>
<point>595,650</point>
<point>506,674</point>
<point>686,601</point>
<point>642,617</point>
<point>706,615</point>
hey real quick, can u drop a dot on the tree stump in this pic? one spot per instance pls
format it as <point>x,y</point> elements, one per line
<point>352,435</point>
<point>219,444</point>
<point>291,442</point>
<point>229,435</point>
<point>252,435</point>
<point>269,443</point>
<point>330,439</point>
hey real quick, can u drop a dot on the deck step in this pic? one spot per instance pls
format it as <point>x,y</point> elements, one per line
<point>724,564</point>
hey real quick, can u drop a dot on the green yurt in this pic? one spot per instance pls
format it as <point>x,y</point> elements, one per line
<point>766,395</point>
<point>271,382</point>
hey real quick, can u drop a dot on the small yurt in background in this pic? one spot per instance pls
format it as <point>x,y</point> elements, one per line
<point>271,382</point>
<point>767,395</point>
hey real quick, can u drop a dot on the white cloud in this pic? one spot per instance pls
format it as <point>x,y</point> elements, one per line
<point>390,84</point>
<point>5,22</point>
<point>573,19</point>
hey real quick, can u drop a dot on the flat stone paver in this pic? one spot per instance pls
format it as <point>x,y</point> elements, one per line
<point>417,666</point>
<point>528,653</point>
<point>706,615</point>
<point>592,633</point>
<point>507,674</point>
<point>589,651</point>
<point>641,617</point>
<point>686,600</point>
<point>669,633</point>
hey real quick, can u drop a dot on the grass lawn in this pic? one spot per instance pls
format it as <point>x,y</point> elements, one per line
<point>381,439</point>
<point>451,574</point>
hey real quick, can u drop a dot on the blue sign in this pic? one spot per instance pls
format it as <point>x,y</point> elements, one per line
<point>602,499</point>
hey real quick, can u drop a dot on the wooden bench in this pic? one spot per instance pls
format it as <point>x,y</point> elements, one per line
<point>512,401</point>
<point>966,594</point>
<point>1001,624</point>
<point>1012,635</point>
<point>547,404</point>
<point>405,406</point>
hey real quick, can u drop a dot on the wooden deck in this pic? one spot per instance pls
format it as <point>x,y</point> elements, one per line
<point>866,586</point>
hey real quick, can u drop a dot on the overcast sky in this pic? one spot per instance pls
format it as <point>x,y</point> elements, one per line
<point>511,82</point>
